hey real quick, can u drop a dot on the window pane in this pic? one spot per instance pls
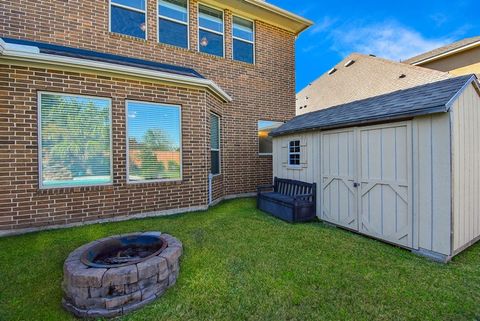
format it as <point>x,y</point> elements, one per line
<point>174,9</point>
<point>242,51</point>
<point>128,22</point>
<point>242,28</point>
<point>214,132</point>
<point>154,147</point>
<point>215,156</point>
<point>265,141</point>
<point>75,138</point>
<point>137,4</point>
<point>211,19</point>
<point>211,43</point>
<point>173,33</point>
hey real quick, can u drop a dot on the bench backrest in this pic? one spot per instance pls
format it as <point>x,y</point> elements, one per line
<point>291,187</point>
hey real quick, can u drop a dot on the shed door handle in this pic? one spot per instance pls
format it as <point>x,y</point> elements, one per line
<point>355,184</point>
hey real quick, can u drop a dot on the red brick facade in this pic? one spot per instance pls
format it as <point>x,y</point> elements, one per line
<point>264,91</point>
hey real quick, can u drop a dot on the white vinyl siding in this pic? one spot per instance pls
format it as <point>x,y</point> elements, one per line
<point>75,146</point>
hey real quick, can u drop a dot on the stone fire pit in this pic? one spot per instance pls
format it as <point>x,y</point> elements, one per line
<point>118,274</point>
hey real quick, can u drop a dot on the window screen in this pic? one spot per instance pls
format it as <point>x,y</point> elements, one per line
<point>128,17</point>
<point>210,34</point>
<point>243,40</point>
<point>154,142</point>
<point>173,22</point>
<point>75,140</point>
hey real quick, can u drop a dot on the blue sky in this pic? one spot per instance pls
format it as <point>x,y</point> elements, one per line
<point>390,29</point>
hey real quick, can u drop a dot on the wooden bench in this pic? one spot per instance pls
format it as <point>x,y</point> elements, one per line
<point>289,200</point>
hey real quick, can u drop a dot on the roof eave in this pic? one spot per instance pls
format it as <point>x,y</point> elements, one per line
<point>33,54</point>
<point>443,55</point>
<point>366,121</point>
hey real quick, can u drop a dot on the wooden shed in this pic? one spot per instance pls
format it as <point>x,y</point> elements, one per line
<point>403,167</point>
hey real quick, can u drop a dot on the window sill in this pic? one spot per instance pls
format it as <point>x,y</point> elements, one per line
<point>294,167</point>
<point>265,155</point>
<point>74,189</point>
<point>155,182</point>
<point>122,36</point>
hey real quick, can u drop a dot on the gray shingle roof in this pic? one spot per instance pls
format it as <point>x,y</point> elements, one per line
<point>420,100</point>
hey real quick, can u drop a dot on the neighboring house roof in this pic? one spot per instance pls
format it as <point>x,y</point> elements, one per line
<point>420,100</point>
<point>362,76</point>
<point>441,52</point>
<point>39,52</point>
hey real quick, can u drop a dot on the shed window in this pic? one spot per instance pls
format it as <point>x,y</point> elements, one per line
<point>243,40</point>
<point>210,33</point>
<point>128,17</point>
<point>294,153</point>
<point>173,22</point>
<point>154,142</point>
<point>265,141</point>
<point>215,144</point>
<point>74,140</point>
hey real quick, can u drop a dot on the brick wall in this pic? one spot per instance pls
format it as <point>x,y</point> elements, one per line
<point>261,91</point>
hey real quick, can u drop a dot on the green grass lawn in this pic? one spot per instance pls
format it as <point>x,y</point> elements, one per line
<point>240,264</point>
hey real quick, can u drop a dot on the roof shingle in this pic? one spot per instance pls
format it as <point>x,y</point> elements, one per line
<point>420,100</point>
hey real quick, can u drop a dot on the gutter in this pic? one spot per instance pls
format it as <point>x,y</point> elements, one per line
<point>33,54</point>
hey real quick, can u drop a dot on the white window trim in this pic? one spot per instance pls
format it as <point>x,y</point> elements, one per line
<point>295,153</point>
<point>174,20</point>
<point>110,4</point>
<point>244,40</point>
<point>39,140</point>
<point>146,181</point>
<point>209,30</point>
<point>219,147</point>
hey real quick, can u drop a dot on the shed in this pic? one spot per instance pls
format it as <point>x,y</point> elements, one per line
<point>402,167</point>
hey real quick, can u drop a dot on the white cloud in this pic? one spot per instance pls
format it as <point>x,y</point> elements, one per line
<point>388,39</point>
<point>323,25</point>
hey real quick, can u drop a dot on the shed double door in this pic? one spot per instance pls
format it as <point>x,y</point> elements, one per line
<point>366,180</point>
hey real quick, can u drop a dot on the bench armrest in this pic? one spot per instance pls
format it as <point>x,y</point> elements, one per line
<point>264,187</point>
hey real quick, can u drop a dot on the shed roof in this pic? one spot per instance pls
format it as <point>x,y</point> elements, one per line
<point>420,100</point>
<point>445,50</point>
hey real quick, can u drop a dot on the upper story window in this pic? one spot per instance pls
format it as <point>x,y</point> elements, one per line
<point>154,142</point>
<point>265,141</point>
<point>129,17</point>
<point>74,140</point>
<point>243,40</point>
<point>294,153</point>
<point>210,31</point>
<point>173,22</point>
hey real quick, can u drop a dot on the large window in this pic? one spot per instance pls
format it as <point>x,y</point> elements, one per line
<point>173,22</point>
<point>215,144</point>
<point>243,40</point>
<point>210,30</point>
<point>265,141</point>
<point>74,140</point>
<point>128,17</point>
<point>294,153</point>
<point>154,142</point>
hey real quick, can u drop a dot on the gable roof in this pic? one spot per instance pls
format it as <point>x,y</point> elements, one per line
<point>45,53</point>
<point>420,100</point>
<point>444,51</point>
<point>361,76</point>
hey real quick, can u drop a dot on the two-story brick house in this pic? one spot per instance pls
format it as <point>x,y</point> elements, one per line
<point>120,108</point>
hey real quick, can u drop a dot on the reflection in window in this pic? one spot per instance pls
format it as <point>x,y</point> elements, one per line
<point>173,22</point>
<point>154,142</point>
<point>75,135</point>
<point>265,141</point>
<point>128,17</point>
<point>210,34</point>
<point>243,40</point>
